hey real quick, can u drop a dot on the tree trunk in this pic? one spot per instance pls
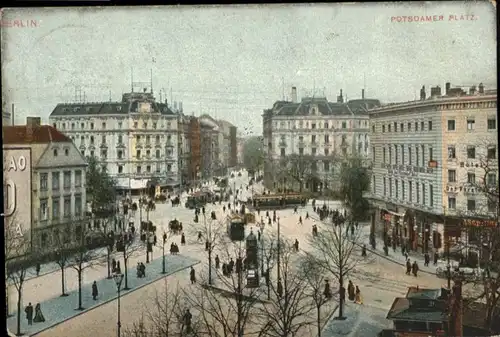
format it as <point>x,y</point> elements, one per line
<point>210,264</point>
<point>19,293</point>
<point>318,311</point>
<point>63,292</point>
<point>108,262</point>
<point>342,300</point>
<point>80,271</point>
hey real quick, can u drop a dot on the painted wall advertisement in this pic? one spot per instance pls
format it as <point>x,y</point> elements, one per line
<point>17,200</point>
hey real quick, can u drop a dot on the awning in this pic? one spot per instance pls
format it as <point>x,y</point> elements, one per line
<point>134,184</point>
<point>396,214</point>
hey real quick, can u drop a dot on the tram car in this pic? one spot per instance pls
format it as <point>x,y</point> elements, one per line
<point>235,227</point>
<point>274,201</point>
<point>198,199</point>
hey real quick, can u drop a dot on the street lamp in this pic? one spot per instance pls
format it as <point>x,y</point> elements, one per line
<point>262,227</point>
<point>163,271</point>
<point>118,280</point>
<point>279,252</point>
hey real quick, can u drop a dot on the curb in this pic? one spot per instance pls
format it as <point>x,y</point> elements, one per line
<point>208,286</point>
<point>122,294</point>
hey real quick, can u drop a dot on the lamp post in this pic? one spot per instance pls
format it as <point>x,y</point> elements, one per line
<point>209,241</point>
<point>118,280</point>
<point>279,253</point>
<point>262,227</point>
<point>163,271</point>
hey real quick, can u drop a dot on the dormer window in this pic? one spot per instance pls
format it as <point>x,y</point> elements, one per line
<point>119,108</point>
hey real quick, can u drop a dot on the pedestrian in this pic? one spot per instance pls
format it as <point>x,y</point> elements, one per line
<point>258,235</point>
<point>363,251</point>
<point>29,313</point>
<point>200,235</point>
<point>192,276</point>
<point>217,261</point>
<point>183,239</point>
<point>307,215</point>
<point>118,268</point>
<point>296,245</point>
<point>427,259</point>
<point>113,265</point>
<point>187,321</point>
<point>414,268</point>
<point>351,291</point>
<point>94,291</point>
<point>37,269</point>
<point>300,220</point>
<point>38,314</point>
<point>408,267</point>
<point>327,292</point>
<point>359,300</point>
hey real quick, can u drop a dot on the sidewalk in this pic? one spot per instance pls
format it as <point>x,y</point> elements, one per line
<point>335,327</point>
<point>60,309</point>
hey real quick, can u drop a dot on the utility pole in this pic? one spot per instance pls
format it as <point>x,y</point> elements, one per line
<point>279,252</point>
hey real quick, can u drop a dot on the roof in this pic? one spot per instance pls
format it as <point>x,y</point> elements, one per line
<point>44,134</point>
<point>420,293</point>
<point>325,108</point>
<point>401,310</point>
<point>105,108</point>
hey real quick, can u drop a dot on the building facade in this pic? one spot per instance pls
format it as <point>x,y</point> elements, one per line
<point>135,140</point>
<point>317,129</point>
<point>428,166</point>
<point>6,118</point>
<point>58,195</point>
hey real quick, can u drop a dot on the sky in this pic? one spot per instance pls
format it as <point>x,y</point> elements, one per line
<point>234,61</point>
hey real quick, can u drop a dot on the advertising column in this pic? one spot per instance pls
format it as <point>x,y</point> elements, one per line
<point>17,204</point>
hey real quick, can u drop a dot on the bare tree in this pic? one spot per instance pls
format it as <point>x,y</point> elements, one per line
<point>298,167</point>
<point>108,237</point>
<point>129,247</point>
<point>290,310</point>
<point>165,315</point>
<point>85,255</point>
<point>334,251</point>
<point>64,250</point>
<point>225,310</point>
<point>19,257</point>
<point>313,274</point>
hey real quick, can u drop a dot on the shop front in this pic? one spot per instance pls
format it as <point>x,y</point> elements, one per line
<point>389,221</point>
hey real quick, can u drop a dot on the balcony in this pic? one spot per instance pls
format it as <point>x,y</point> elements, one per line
<point>138,145</point>
<point>169,144</point>
<point>103,146</point>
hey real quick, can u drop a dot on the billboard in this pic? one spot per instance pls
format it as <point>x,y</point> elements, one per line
<point>17,200</point>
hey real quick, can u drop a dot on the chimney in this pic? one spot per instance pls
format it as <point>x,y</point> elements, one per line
<point>481,88</point>
<point>422,93</point>
<point>340,98</point>
<point>472,90</point>
<point>294,94</point>
<point>448,86</point>
<point>362,93</point>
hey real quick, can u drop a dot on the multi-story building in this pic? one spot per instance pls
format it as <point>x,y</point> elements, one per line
<point>225,145</point>
<point>240,142</point>
<point>58,197</point>
<point>429,159</point>
<point>135,140</point>
<point>6,118</point>
<point>318,129</point>
<point>209,146</point>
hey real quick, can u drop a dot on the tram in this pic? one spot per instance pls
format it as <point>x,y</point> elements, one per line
<point>287,200</point>
<point>198,199</point>
<point>235,227</point>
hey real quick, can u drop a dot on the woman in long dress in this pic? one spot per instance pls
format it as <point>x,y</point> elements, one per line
<point>358,300</point>
<point>38,314</point>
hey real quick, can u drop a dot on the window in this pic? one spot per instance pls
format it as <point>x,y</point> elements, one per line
<point>92,154</point>
<point>452,176</point>
<point>67,180</point>
<point>389,128</point>
<point>430,125</point>
<point>83,152</point>
<point>327,139</point>
<point>326,166</point>
<point>44,181</point>
<point>422,126</point>
<point>148,168</point>
<point>135,125</point>
<point>401,127</point>
<point>492,205</point>
<point>403,195</point>
<point>471,205</point>
<point>452,152</point>
<point>491,179</point>
<point>390,187</point>
<point>157,139</point>
<point>120,154</point>
<point>44,210</point>
<point>55,180</point>
<point>410,191</point>
<point>416,126</point>
<point>78,178</point>
<point>396,188</point>
<point>313,150</point>
<point>409,155</point>
<point>313,139</point>
<point>72,126</point>
<point>409,127</point>
<point>138,138</point>
<point>383,128</point>
<point>148,139</point>
<point>138,154</point>
<point>451,125</point>
<point>417,187</point>
<point>383,154</point>
<point>155,125</point>
<point>423,155</point>
<point>417,157</point>
<point>91,126</point>
<point>431,195</point>
<point>148,153</point>
<point>471,178</point>
<point>139,169</point>
<point>103,139</point>
<point>82,125</point>
<point>104,126</point>
<point>402,155</point>
<point>313,125</point>
<point>91,139</point>
<point>158,167</point>
<point>492,123</point>
<point>390,155</point>
<point>55,152</point>
<point>326,126</point>
<point>373,153</point>
<point>431,154</point>
<point>344,125</point>
<point>385,186</point>
<point>120,169</point>
<point>157,154</point>
<point>169,167</point>
<point>145,125</point>
<point>395,127</point>
<point>327,152</point>
<point>452,203</point>
<point>423,194</point>
<point>120,139</point>
<point>396,157</point>
<point>120,124</point>
<point>471,152</point>
<point>492,152</point>
<point>55,208</point>
<point>78,204</point>
<point>470,124</point>
<point>104,154</point>
<point>373,128</point>
<point>67,207</point>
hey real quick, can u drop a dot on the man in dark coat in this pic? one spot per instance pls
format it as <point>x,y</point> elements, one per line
<point>94,291</point>
<point>187,321</point>
<point>414,268</point>
<point>29,313</point>
<point>408,267</point>
<point>350,291</point>
<point>192,276</point>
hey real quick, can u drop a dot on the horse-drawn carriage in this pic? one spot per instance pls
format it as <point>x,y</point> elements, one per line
<point>175,201</point>
<point>147,226</point>
<point>161,198</point>
<point>198,200</point>
<point>175,226</point>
